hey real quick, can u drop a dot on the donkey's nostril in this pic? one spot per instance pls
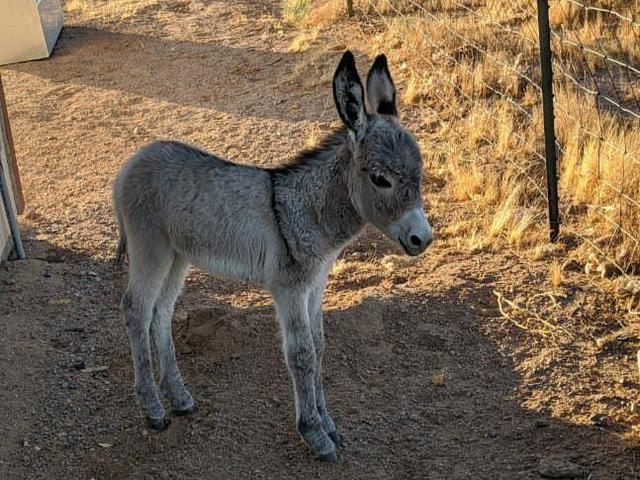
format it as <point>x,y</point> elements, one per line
<point>415,240</point>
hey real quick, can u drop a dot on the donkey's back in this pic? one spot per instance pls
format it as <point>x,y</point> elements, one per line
<point>215,213</point>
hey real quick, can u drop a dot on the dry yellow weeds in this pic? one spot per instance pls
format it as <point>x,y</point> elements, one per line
<point>117,9</point>
<point>490,117</point>
<point>555,274</point>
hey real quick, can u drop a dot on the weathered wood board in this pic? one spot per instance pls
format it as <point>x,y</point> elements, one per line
<point>9,170</point>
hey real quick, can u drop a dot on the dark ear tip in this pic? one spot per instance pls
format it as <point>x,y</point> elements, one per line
<point>348,58</point>
<point>380,61</point>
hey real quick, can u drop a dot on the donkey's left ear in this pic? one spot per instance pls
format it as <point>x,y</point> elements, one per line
<point>381,92</point>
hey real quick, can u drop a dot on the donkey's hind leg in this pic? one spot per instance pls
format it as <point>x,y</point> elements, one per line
<point>170,380</point>
<point>149,263</point>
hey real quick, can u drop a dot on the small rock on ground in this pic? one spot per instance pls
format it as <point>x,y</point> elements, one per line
<point>556,467</point>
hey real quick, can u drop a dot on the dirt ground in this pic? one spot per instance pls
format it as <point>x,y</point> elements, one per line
<point>424,376</point>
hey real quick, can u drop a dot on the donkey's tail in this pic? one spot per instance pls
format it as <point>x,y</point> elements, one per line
<point>121,250</point>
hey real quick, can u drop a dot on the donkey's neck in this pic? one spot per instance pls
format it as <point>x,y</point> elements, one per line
<point>312,201</point>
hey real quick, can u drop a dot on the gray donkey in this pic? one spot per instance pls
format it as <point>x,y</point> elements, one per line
<point>178,206</point>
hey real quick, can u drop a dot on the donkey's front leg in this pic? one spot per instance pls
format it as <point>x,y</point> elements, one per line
<point>317,332</point>
<point>300,356</point>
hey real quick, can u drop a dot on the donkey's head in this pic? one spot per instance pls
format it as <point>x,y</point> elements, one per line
<point>387,172</point>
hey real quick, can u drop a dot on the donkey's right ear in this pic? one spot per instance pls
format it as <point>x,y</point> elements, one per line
<point>348,94</point>
<point>381,91</point>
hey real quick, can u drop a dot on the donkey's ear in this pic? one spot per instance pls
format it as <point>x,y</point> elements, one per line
<point>381,92</point>
<point>348,94</point>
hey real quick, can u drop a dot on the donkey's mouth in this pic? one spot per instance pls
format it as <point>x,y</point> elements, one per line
<point>406,249</point>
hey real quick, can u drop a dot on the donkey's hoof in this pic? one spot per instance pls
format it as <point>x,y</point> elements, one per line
<point>336,438</point>
<point>157,424</point>
<point>331,457</point>
<point>187,410</point>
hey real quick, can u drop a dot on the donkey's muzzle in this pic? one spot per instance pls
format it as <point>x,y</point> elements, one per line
<point>416,245</point>
<point>413,232</point>
<point>421,243</point>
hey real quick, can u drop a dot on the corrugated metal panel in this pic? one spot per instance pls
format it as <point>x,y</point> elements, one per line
<point>9,182</point>
<point>6,242</point>
<point>14,175</point>
<point>51,18</point>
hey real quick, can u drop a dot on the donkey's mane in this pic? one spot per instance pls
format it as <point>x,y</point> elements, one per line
<point>317,154</point>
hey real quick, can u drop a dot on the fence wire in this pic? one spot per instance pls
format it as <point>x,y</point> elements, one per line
<point>476,58</point>
<point>597,59</point>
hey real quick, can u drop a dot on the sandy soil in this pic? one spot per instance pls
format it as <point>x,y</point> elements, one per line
<point>425,377</point>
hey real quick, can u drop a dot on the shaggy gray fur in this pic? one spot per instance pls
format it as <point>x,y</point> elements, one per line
<point>179,206</point>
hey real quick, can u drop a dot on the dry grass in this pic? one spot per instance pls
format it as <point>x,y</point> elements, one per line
<point>599,31</point>
<point>312,71</point>
<point>537,314</point>
<point>294,11</point>
<point>315,135</point>
<point>470,73</point>
<point>467,181</point>
<point>303,41</point>
<point>116,9</point>
<point>555,274</point>
<point>326,12</point>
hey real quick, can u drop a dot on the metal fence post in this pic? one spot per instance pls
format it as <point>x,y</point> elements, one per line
<point>350,8</point>
<point>549,121</point>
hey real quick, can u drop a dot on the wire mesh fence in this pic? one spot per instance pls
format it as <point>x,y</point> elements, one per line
<point>475,65</point>
<point>598,85</point>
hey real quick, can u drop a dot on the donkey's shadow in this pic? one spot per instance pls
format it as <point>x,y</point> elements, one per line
<point>413,373</point>
<point>415,385</point>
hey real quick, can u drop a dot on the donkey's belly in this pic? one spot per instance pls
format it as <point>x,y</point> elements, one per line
<point>230,250</point>
<point>247,269</point>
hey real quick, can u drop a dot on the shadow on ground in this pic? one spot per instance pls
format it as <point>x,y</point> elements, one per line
<point>170,71</point>
<point>415,387</point>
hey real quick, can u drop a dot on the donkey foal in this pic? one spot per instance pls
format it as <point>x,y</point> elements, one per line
<point>178,206</point>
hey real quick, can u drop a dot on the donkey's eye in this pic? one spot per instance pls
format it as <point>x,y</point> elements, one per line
<point>380,181</point>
